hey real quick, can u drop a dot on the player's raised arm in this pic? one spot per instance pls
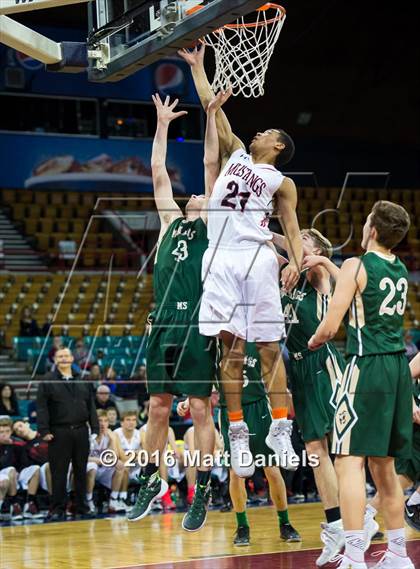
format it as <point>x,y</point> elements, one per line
<point>211,141</point>
<point>229,142</point>
<point>286,198</point>
<point>162,187</point>
<point>311,261</point>
<point>352,277</point>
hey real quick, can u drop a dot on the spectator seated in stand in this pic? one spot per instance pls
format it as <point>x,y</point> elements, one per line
<point>113,420</point>
<point>110,477</point>
<point>57,343</point>
<point>45,329</point>
<point>103,399</point>
<point>28,326</point>
<point>16,472</point>
<point>129,437</point>
<point>95,374</point>
<point>9,404</point>
<point>37,452</point>
<point>81,354</point>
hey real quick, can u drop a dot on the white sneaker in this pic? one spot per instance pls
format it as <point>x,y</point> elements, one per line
<point>278,439</point>
<point>347,563</point>
<point>390,560</point>
<point>113,506</point>
<point>121,506</point>
<point>91,506</point>
<point>241,459</point>
<point>334,540</point>
<point>371,526</point>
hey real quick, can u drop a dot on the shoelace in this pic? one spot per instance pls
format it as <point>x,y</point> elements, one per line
<point>238,438</point>
<point>326,536</point>
<point>384,559</point>
<point>337,558</point>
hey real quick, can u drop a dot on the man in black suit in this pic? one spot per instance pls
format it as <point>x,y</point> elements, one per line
<point>66,406</point>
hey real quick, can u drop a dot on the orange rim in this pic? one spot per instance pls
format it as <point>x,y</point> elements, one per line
<point>263,8</point>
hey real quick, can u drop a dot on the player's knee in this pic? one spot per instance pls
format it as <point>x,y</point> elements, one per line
<point>159,411</point>
<point>199,409</point>
<point>4,484</point>
<point>319,447</point>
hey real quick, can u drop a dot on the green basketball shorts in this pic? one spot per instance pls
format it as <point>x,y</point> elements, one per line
<point>374,408</point>
<point>179,359</point>
<point>315,378</point>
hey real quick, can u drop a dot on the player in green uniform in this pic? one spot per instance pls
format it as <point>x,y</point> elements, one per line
<point>373,415</point>
<point>179,360</point>
<point>257,415</point>
<point>315,378</point>
<point>408,470</point>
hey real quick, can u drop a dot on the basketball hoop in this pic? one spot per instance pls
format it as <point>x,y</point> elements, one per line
<point>243,51</point>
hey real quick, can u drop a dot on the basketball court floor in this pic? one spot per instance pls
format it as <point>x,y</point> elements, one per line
<point>159,542</point>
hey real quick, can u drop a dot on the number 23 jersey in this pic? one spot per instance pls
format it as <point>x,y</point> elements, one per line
<point>241,203</point>
<point>376,316</point>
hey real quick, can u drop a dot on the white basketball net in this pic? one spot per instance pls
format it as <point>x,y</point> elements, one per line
<point>243,51</point>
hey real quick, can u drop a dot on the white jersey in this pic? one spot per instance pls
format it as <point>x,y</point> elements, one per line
<point>132,444</point>
<point>98,446</point>
<point>242,202</point>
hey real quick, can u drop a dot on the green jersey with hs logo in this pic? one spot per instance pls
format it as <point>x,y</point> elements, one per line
<point>376,316</point>
<point>303,310</point>
<point>253,386</point>
<point>177,271</point>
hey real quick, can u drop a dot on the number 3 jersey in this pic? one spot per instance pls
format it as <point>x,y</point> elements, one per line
<point>241,203</point>
<point>177,271</point>
<point>375,318</point>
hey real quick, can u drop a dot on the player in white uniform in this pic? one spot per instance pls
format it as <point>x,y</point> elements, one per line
<point>241,299</point>
<point>109,476</point>
<point>129,439</point>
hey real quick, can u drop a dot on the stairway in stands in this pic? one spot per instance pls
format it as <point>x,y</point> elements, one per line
<point>17,374</point>
<point>18,254</point>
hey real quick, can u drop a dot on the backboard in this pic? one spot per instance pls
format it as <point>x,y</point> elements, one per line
<point>127,35</point>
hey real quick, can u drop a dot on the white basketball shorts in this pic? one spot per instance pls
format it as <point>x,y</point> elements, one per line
<point>241,294</point>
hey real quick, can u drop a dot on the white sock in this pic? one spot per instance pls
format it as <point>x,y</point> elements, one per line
<point>396,542</point>
<point>89,496</point>
<point>114,495</point>
<point>414,499</point>
<point>277,421</point>
<point>123,495</point>
<point>371,511</point>
<point>355,545</point>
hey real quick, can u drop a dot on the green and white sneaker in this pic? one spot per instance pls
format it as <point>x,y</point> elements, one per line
<point>151,489</point>
<point>196,516</point>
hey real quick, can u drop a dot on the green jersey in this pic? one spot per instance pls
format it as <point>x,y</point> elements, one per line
<point>177,271</point>
<point>303,309</point>
<point>376,316</point>
<point>253,386</point>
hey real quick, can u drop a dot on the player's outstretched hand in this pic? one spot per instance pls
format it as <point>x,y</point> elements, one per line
<point>195,56</point>
<point>311,261</point>
<point>166,111</point>
<point>218,101</point>
<point>290,276</point>
<point>183,408</point>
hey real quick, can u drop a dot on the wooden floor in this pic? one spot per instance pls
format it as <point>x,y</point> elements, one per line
<point>159,540</point>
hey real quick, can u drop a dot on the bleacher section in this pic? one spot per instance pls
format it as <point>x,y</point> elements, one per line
<point>50,217</point>
<point>96,304</point>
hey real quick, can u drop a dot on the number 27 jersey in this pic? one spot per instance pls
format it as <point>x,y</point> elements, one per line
<point>242,202</point>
